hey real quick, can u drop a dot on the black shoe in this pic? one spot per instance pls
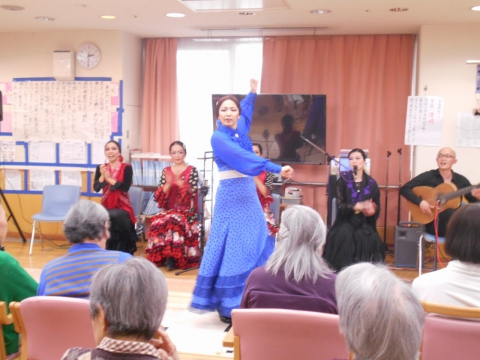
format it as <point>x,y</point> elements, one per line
<point>170,264</point>
<point>224,319</point>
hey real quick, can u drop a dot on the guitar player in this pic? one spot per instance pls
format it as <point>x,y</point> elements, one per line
<point>446,158</point>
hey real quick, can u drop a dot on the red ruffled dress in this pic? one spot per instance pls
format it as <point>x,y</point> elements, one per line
<point>174,232</point>
<point>267,179</point>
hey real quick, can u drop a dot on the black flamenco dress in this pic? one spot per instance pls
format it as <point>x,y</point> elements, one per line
<point>353,237</point>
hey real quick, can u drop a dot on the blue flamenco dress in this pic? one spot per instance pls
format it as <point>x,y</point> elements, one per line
<point>238,240</point>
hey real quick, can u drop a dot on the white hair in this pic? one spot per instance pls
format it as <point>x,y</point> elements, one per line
<point>133,296</point>
<point>85,220</point>
<point>300,246</point>
<point>380,316</point>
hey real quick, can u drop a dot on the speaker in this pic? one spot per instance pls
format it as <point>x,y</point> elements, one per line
<point>407,236</point>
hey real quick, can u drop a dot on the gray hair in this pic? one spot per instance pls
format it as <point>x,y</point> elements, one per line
<point>300,246</point>
<point>380,316</point>
<point>85,220</point>
<point>133,296</point>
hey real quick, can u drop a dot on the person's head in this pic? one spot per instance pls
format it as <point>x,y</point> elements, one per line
<point>462,239</point>
<point>446,158</point>
<point>86,221</point>
<point>301,239</point>
<point>113,151</point>
<point>287,122</point>
<point>380,316</point>
<point>128,300</point>
<point>257,149</point>
<point>357,157</point>
<point>178,151</point>
<point>228,111</point>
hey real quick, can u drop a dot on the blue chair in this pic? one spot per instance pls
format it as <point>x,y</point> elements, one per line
<point>136,196</point>
<point>56,201</point>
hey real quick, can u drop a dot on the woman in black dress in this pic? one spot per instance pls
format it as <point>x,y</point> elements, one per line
<point>353,237</point>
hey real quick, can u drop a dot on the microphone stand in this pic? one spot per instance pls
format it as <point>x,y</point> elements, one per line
<point>328,156</point>
<point>329,160</point>
<point>203,191</point>
<point>386,204</point>
<point>399,151</point>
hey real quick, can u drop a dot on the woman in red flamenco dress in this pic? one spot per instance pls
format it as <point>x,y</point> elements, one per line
<point>173,234</point>
<point>264,183</point>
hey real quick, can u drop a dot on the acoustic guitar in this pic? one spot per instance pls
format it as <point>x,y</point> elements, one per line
<point>446,194</point>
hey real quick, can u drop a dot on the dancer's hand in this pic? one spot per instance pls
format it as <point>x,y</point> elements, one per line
<point>369,208</point>
<point>103,171</point>
<point>253,85</point>
<point>286,172</point>
<point>168,182</point>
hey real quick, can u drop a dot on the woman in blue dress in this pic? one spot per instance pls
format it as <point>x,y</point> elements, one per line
<point>238,240</point>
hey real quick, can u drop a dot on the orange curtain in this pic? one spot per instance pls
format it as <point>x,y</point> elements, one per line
<point>367,79</point>
<point>159,114</point>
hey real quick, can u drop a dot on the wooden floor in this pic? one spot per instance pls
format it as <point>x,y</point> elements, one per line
<point>182,284</point>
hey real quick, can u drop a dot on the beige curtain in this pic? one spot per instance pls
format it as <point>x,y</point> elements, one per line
<point>159,114</point>
<point>367,79</point>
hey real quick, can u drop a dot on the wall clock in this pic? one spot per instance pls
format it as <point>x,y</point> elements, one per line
<point>88,55</point>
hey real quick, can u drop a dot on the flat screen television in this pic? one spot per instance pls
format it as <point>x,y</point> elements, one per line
<point>281,120</point>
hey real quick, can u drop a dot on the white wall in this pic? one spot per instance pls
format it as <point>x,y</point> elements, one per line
<point>132,89</point>
<point>30,55</point>
<point>443,51</point>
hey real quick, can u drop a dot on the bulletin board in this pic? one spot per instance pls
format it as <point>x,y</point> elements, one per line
<point>55,131</point>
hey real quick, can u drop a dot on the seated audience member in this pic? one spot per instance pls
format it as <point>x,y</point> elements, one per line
<point>127,304</point>
<point>86,228</point>
<point>459,283</point>
<point>15,285</point>
<point>380,316</point>
<point>295,277</point>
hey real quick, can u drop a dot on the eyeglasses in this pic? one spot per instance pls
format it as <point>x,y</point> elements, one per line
<point>445,156</point>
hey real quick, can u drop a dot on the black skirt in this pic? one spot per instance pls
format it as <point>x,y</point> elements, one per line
<point>123,236</point>
<point>353,240</point>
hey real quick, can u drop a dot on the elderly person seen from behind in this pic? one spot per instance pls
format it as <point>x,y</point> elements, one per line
<point>380,316</point>
<point>127,304</point>
<point>86,228</point>
<point>459,283</point>
<point>295,277</point>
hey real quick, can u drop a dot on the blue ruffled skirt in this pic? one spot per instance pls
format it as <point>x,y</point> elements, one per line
<point>237,244</point>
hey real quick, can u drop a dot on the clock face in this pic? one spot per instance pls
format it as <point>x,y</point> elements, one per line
<point>88,55</point>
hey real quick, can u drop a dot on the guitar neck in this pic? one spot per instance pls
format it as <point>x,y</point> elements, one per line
<point>461,192</point>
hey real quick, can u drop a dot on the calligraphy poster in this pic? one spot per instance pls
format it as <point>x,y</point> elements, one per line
<point>468,129</point>
<point>424,121</point>
<point>61,110</point>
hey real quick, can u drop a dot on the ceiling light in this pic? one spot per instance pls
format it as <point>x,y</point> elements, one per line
<point>108,17</point>
<point>12,7</point>
<point>321,11</point>
<point>246,13</point>
<point>476,8</point>
<point>473,61</point>
<point>175,15</point>
<point>398,9</point>
<point>44,18</point>
<point>269,29</point>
